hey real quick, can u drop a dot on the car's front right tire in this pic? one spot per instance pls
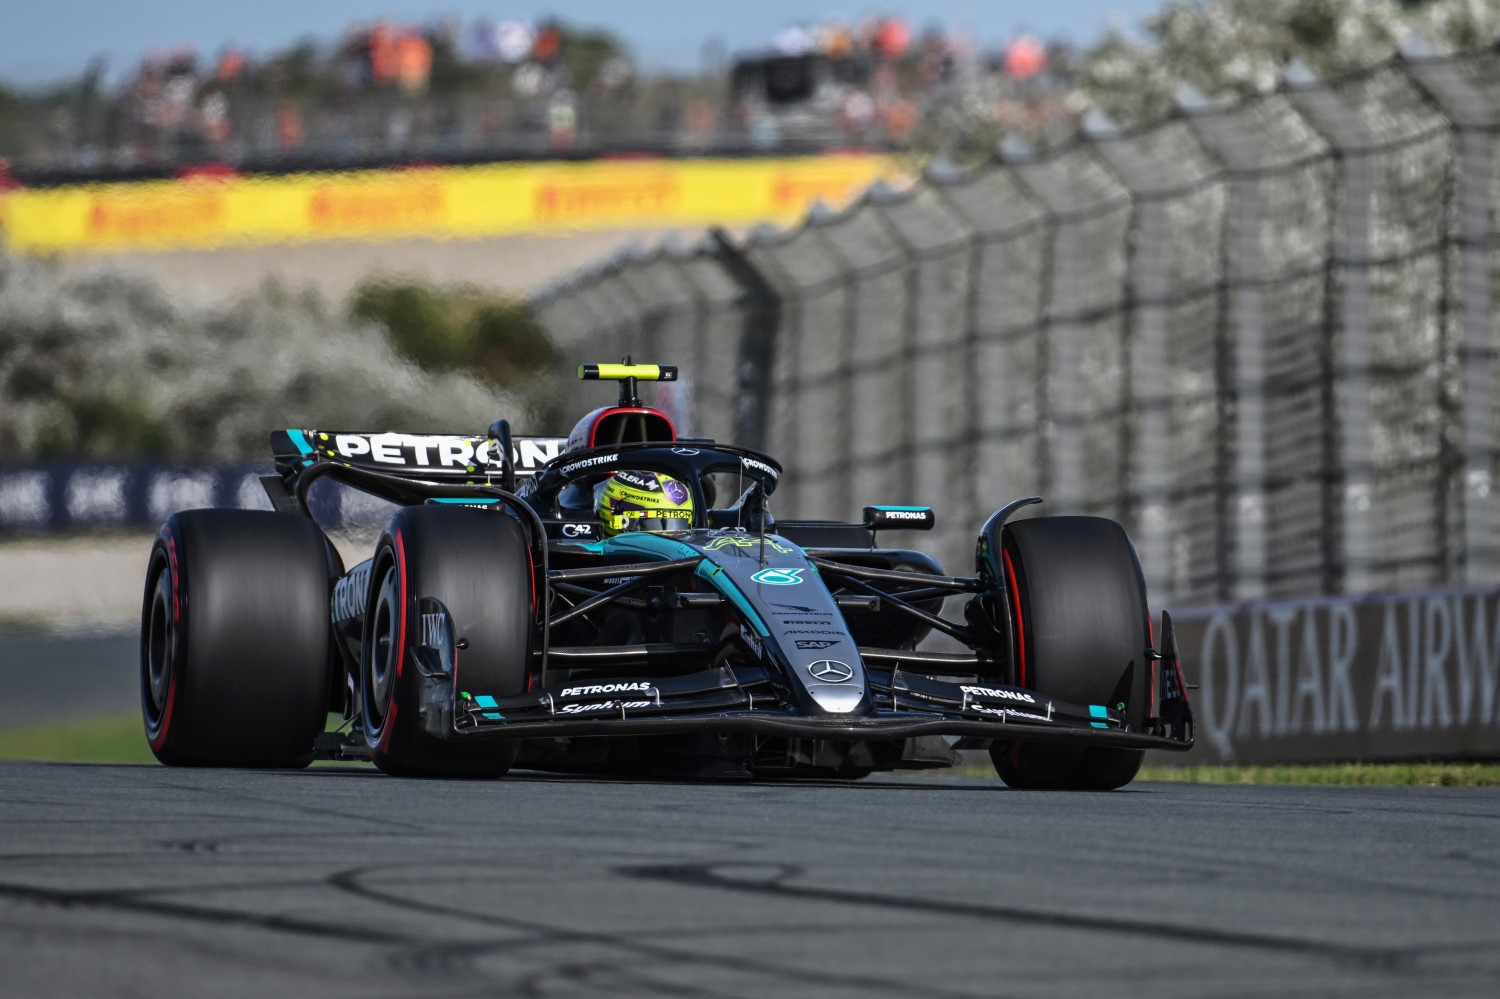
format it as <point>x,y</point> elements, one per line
<point>235,639</point>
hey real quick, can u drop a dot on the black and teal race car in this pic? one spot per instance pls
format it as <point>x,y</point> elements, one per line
<point>497,623</point>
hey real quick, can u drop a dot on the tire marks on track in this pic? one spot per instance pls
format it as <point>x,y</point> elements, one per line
<point>775,881</point>
<point>631,946</point>
<point>141,903</point>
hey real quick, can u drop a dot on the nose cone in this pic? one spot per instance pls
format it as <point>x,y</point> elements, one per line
<point>837,698</point>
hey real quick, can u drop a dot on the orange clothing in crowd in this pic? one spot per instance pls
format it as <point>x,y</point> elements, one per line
<point>382,53</point>
<point>413,61</point>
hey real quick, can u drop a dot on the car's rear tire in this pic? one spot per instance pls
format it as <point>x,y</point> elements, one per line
<point>1084,628</point>
<point>235,639</point>
<point>478,564</point>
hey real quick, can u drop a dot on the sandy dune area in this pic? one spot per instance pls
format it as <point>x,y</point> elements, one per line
<point>516,264</point>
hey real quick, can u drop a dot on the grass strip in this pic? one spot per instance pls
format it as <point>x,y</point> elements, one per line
<point>106,739</point>
<point>120,739</point>
<point>1416,774</point>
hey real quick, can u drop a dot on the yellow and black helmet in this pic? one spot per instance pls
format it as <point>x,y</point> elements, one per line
<point>643,501</point>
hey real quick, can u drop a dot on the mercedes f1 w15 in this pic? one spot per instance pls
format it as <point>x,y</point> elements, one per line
<point>623,601</point>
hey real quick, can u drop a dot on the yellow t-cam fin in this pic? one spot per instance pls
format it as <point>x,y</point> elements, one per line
<point>620,372</point>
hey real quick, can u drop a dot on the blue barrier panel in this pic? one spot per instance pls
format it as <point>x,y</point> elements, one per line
<point>50,497</point>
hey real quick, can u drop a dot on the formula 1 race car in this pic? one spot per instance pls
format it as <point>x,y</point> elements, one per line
<point>622,601</point>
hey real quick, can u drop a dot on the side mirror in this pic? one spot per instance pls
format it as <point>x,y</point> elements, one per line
<point>500,434</point>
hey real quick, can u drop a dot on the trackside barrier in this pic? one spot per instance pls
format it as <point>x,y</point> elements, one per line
<point>1413,676</point>
<point>434,202</point>
<point>1262,336</point>
<point>67,496</point>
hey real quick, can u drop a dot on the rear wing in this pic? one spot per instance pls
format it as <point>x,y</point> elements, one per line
<point>433,457</point>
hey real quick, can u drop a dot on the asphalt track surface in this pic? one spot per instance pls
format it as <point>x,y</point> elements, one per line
<point>143,880</point>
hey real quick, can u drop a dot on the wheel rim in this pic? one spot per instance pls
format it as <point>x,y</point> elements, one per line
<point>159,647</point>
<point>380,658</point>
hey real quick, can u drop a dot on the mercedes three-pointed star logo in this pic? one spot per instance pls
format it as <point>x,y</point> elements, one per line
<point>831,671</point>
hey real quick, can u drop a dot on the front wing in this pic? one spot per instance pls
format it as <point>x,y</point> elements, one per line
<point>741,699</point>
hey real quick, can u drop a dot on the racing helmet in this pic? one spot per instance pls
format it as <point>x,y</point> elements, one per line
<point>643,501</point>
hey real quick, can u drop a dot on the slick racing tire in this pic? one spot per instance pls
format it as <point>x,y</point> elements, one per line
<point>478,564</point>
<point>1083,628</point>
<point>235,639</point>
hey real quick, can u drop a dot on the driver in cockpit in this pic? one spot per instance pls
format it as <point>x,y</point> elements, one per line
<point>633,500</point>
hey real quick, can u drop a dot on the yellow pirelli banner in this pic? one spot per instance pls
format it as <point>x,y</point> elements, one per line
<point>440,202</point>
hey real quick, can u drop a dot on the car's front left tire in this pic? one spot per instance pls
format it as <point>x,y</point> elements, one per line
<point>1082,630</point>
<point>478,564</point>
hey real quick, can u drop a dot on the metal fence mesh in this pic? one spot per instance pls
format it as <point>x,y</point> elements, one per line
<point>1261,336</point>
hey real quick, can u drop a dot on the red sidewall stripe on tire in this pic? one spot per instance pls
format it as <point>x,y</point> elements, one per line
<point>1015,601</point>
<point>390,710</point>
<point>166,715</point>
<point>401,599</point>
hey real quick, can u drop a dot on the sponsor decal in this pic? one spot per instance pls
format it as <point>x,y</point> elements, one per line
<point>350,594</point>
<point>738,541</point>
<point>619,196</point>
<point>813,631</point>
<point>96,495</point>
<point>599,459</point>
<point>578,530</point>
<point>686,452</point>
<point>828,182</point>
<point>752,640</point>
<point>1004,695</point>
<point>802,610</point>
<point>812,621</point>
<point>639,480</point>
<point>179,491</point>
<point>23,499</point>
<point>904,514</point>
<point>436,451</point>
<point>677,492</point>
<point>1412,674</point>
<point>579,709</point>
<point>831,671</point>
<point>189,214</point>
<point>432,630</point>
<point>1008,713</point>
<point>814,644</point>
<point>384,205</point>
<point>759,466</point>
<point>779,577</point>
<point>597,689</point>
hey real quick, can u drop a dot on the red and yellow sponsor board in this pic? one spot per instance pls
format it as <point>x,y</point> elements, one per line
<point>439,202</point>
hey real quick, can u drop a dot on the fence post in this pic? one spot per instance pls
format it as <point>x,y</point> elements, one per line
<point>1350,449</point>
<point>1003,370</point>
<point>1059,442</point>
<point>939,432</point>
<point>1475,120</point>
<point>1243,274</point>
<point>762,310</point>
<point>1146,262</point>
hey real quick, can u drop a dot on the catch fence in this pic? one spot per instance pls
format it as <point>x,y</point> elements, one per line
<point>1262,336</point>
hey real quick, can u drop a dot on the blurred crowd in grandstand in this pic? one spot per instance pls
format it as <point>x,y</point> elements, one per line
<point>453,92</point>
<point>450,91</point>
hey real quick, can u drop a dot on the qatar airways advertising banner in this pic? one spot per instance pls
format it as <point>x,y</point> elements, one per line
<point>1402,676</point>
